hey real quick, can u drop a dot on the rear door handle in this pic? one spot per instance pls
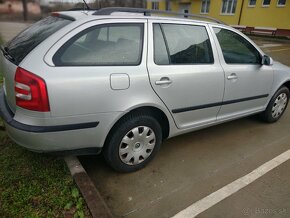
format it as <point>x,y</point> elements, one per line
<point>163,81</point>
<point>232,76</point>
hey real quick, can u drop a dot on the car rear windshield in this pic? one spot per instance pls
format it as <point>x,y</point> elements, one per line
<point>28,39</point>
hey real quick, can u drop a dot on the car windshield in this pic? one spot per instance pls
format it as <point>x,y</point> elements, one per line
<point>28,39</point>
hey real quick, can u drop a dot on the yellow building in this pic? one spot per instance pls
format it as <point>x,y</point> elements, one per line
<point>250,13</point>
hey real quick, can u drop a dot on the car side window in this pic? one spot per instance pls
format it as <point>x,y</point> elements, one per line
<point>113,44</point>
<point>186,44</point>
<point>160,50</point>
<point>236,49</point>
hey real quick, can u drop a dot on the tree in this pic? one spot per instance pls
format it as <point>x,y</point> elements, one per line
<point>25,12</point>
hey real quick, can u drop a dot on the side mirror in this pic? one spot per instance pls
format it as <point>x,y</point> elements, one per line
<point>267,60</point>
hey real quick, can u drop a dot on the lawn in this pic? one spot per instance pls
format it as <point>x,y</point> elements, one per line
<point>35,185</point>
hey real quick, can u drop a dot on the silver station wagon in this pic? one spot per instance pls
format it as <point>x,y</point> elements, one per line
<point>119,81</point>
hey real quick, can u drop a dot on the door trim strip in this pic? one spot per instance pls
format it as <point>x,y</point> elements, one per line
<point>198,107</point>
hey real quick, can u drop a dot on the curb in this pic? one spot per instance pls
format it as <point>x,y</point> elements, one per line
<point>94,200</point>
<point>269,38</point>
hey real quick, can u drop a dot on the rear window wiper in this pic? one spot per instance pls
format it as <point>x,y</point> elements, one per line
<point>6,53</point>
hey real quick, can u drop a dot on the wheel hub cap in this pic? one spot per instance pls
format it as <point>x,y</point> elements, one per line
<point>279,105</point>
<point>137,145</point>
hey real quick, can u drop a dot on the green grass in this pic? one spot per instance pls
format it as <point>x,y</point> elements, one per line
<point>35,185</point>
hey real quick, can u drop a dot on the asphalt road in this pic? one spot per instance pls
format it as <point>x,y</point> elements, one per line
<point>192,166</point>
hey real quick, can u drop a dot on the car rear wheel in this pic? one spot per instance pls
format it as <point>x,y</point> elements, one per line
<point>276,106</point>
<point>133,143</point>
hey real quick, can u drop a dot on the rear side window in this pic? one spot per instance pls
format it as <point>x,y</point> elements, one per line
<point>160,52</point>
<point>186,44</point>
<point>236,49</point>
<point>103,45</point>
<point>28,39</point>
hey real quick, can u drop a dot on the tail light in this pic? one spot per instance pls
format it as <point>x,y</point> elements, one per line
<point>30,91</point>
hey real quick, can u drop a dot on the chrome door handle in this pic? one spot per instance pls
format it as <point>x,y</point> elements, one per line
<point>163,81</point>
<point>232,76</point>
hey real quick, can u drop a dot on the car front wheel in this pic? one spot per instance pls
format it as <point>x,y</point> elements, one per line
<point>276,106</point>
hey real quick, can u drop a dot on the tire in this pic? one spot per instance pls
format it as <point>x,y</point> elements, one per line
<point>280,101</point>
<point>127,148</point>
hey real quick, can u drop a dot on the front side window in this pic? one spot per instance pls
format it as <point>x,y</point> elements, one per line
<point>236,49</point>
<point>205,4</point>
<point>266,2</point>
<point>252,2</point>
<point>281,2</point>
<point>229,6</point>
<point>114,44</point>
<point>186,44</point>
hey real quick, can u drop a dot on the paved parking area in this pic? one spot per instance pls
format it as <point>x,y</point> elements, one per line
<point>269,196</point>
<point>10,29</point>
<point>193,166</point>
<point>279,50</point>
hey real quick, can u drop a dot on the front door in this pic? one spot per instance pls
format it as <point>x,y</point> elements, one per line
<point>247,82</point>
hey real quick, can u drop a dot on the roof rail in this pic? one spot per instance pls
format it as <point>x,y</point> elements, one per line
<point>80,9</point>
<point>148,12</point>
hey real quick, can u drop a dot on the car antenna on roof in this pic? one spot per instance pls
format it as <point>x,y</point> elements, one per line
<point>86,5</point>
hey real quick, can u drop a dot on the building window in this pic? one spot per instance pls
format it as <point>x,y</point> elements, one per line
<point>266,3</point>
<point>205,4</point>
<point>281,3</point>
<point>186,12</point>
<point>252,3</point>
<point>168,6</point>
<point>155,5</point>
<point>229,6</point>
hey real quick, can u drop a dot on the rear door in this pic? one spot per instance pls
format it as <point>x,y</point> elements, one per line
<point>185,71</point>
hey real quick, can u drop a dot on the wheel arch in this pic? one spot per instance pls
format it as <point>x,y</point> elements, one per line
<point>287,84</point>
<point>277,87</point>
<point>157,113</point>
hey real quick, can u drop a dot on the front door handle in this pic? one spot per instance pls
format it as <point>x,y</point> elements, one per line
<point>163,81</point>
<point>233,76</point>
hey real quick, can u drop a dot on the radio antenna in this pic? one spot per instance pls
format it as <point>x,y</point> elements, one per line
<point>86,5</point>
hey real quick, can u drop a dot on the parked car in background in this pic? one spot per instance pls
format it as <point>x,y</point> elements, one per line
<point>120,82</point>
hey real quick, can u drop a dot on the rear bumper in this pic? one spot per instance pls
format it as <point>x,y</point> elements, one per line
<point>8,115</point>
<point>60,139</point>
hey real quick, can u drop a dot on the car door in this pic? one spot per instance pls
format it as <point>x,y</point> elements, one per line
<point>247,82</point>
<point>185,72</point>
